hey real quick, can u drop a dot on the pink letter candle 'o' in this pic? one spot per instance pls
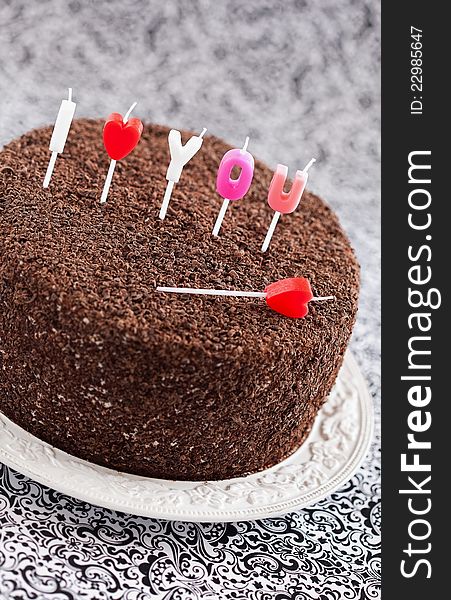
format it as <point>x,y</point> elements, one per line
<point>282,202</point>
<point>233,189</point>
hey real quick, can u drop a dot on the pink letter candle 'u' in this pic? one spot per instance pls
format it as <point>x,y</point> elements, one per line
<point>233,189</point>
<point>282,202</point>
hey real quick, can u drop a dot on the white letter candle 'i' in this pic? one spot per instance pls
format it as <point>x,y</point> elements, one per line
<point>180,155</point>
<point>60,133</point>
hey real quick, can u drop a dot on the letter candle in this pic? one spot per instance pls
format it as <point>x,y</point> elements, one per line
<point>120,136</point>
<point>282,202</point>
<point>60,133</point>
<point>180,155</point>
<point>233,189</point>
<point>289,297</point>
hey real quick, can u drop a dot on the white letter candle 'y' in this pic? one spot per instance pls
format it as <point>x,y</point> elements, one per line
<point>60,133</point>
<point>180,155</point>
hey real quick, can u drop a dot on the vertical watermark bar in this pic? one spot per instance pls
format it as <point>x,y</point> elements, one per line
<point>415,288</point>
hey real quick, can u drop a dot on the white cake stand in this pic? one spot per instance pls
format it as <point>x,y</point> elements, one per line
<point>329,457</point>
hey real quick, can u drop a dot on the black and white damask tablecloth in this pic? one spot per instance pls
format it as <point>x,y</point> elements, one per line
<point>52,546</point>
<point>302,79</point>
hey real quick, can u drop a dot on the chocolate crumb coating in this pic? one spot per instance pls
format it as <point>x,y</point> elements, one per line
<point>97,363</point>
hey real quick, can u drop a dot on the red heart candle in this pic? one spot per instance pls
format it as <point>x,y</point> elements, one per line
<point>120,138</point>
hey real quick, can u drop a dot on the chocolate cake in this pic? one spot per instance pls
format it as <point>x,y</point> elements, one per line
<point>98,363</point>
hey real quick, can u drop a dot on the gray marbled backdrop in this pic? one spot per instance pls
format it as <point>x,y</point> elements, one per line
<point>302,79</point>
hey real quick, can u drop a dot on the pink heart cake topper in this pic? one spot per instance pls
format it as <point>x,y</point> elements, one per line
<point>288,297</point>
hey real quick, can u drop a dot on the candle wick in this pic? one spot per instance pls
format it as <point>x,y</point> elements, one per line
<point>127,114</point>
<point>201,135</point>
<point>70,95</point>
<point>246,144</point>
<point>308,165</point>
